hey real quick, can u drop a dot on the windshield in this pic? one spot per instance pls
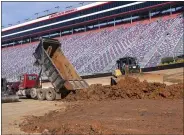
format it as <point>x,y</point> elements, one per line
<point>32,77</point>
<point>132,62</point>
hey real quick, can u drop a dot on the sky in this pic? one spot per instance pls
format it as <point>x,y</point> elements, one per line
<point>13,12</point>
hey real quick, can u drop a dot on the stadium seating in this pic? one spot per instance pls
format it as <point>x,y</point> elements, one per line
<point>97,51</point>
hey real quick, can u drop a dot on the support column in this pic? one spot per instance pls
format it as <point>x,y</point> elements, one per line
<point>150,15</point>
<point>114,22</point>
<point>60,33</point>
<point>98,25</point>
<point>30,40</point>
<point>131,19</point>
<point>170,10</point>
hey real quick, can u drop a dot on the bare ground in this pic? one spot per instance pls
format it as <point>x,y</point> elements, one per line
<point>112,117</point>
<point>13,113</point>
<point>138,116</point>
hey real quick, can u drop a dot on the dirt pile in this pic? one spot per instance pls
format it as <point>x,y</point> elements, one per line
<point>128,88</point>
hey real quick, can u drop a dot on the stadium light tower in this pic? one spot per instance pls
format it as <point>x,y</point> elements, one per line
<point>57,8</point>
<point>46,11</point>
<point>81,3</point>
<point>27,19</point>
<point>36,15</point>
<point>69,7</point>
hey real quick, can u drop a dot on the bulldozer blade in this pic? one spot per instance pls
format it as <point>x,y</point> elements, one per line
<point>113,81</point>
<point>9,99</point>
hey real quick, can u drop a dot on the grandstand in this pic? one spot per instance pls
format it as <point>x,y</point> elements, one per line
<point>94,36</point>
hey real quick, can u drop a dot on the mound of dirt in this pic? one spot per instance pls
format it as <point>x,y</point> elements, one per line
<point>128,88</point>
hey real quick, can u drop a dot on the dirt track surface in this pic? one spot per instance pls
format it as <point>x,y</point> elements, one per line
<point>107,117</point>
<point>112,110</point>
<point>89,113</point>
<point>13,113</point>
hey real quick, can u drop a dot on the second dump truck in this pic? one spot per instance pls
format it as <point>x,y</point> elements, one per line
<point>58,69</point>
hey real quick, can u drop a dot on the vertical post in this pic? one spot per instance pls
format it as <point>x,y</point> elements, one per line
<point>30,40</point>
<point>131,19</point>
<point>72,30</point>
<point>170,10</point>
<point>85,28</point>
<point>114,22</point>
<point>150,15</point>
<point>60,33</point>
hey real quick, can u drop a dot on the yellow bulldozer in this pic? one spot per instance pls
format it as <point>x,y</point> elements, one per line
<point>125,66</point>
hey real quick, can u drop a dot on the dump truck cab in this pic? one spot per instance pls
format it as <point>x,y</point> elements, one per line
<point>28,81</point>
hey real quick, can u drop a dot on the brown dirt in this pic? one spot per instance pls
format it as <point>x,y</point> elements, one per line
<point>128,88</point>
<point>115,113</point>
<point>139,116</point>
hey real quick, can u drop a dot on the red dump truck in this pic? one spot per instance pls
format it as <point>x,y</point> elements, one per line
<point>60,72</point>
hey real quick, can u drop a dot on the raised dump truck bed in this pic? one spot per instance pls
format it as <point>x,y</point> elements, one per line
<point>56,66</point>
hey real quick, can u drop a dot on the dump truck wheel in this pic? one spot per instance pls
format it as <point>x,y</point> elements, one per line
<point>28,96</point>
<point>50,94</point>
<point>41,94</point>
<point>33,93</point>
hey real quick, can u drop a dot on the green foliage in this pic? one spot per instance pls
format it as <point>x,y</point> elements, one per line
<point>180,60</point>
<point>170,60</point>
<point>167,60</point>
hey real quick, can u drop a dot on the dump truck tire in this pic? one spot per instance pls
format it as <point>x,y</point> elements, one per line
<point>41,94</point>
<point>28,96</point>
<point>50,94</point>
<point>33,93</point>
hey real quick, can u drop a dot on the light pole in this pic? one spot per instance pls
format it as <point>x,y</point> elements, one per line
<point>81,3</point>
<point>69,7</point>
<point>57,8</point>
<point>27,19</point>
<point>46,11</point>
<point>36,15</point>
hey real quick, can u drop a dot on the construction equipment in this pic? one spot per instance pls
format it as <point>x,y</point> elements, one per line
<point>6,94</point>
<point>25,85</point>
<point>125,66</point>
<point>58,69</point>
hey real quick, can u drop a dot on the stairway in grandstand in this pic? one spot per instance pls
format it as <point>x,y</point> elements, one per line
<point>171,30</point>
<point>97,51</point>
